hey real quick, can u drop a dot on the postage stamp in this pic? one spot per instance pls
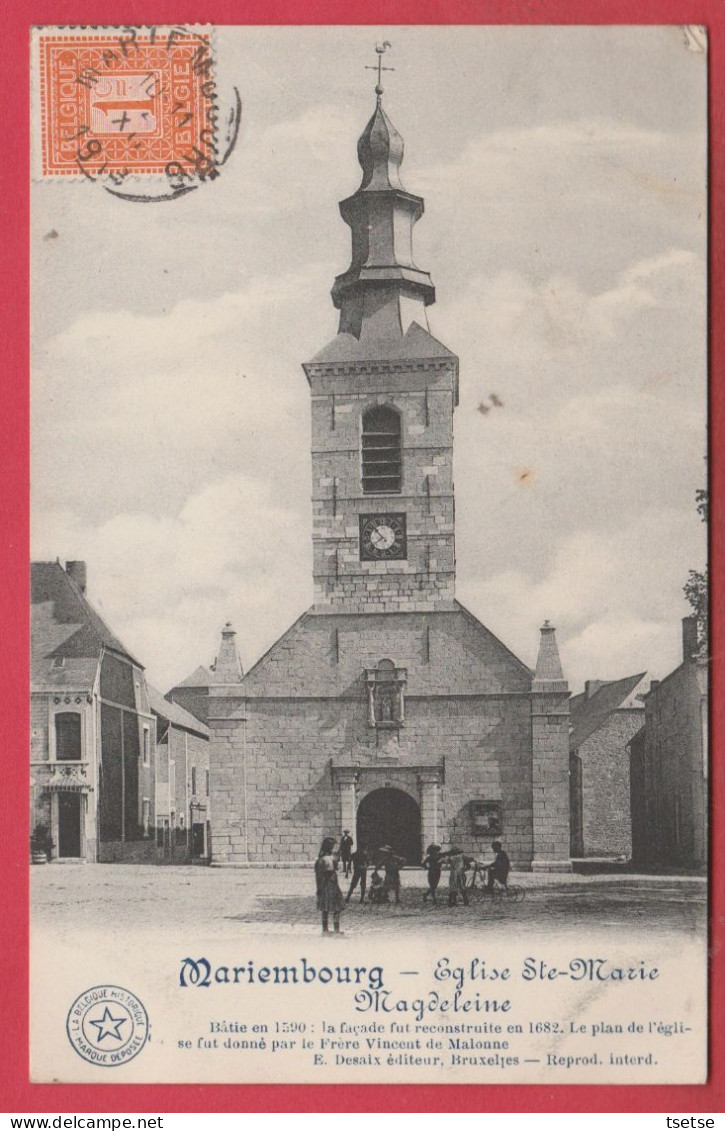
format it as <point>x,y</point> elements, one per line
<point>126,102</point>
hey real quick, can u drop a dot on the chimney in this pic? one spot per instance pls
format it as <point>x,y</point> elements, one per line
<point>653,683</point>
<point>77,572</point>
<point>689,638</point>
<point>591,686</point>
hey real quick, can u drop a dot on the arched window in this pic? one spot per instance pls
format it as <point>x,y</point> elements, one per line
<point>68,736</point>
<point>382,469</point>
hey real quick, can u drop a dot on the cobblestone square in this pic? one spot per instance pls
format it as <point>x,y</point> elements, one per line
<point>228,902</point>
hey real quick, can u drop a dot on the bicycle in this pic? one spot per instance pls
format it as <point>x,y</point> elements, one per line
<point>478,886</point>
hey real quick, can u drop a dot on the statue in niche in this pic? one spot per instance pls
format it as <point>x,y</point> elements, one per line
<point>386,687</point>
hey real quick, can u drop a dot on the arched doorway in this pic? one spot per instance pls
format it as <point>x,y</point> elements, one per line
<point>390,816</point>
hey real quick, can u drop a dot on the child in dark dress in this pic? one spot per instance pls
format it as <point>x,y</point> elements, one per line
<point>329,896</point>
<point>434,867</point>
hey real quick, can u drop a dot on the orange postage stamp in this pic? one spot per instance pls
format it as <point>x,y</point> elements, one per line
<point>126,101</point>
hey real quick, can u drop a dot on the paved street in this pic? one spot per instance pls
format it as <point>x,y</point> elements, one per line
<point>235,902</point>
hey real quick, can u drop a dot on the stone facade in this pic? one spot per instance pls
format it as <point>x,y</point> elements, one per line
<point>182,816</point>
<point>97,734</point>
<point>423,392</point>
<point>606,818</point>
<point>605,717</point>
<point>92,732</point>
<point>670,765</point>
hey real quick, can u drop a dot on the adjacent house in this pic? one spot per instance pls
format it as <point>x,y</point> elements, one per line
<point>604,717</point>
<point>92,730</point>
<point>117,773</point>
<point>669,765</point>
<point>183,824</point>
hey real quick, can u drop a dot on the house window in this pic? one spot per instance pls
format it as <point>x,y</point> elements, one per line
<point>487,818</point>
<point>206,782</point>
<point>146,745</point>
<point>193,780</point>
<point>68,736</point>
<point>146,816</point>
<point>382,466</point>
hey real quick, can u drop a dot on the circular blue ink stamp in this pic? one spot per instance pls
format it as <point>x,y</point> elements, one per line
<point>107,1026</point>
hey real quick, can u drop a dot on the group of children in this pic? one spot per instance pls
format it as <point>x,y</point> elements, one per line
<point>385,877</point>
<point>459,865</point>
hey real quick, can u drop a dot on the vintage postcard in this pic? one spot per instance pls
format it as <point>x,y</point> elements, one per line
<point>340,772</point>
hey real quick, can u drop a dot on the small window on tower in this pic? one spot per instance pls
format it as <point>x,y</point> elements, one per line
<point>382,468</point>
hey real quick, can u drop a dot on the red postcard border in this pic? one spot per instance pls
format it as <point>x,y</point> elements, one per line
<point>19,1094</point>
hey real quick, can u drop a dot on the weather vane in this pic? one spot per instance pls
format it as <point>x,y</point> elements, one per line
<point>380,48</point>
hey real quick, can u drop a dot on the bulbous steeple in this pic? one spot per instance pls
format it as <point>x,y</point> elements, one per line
<point>383,291</point>
<point>380,152</point>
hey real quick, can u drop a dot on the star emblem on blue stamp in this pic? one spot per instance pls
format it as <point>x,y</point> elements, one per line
<point>107,1026</point>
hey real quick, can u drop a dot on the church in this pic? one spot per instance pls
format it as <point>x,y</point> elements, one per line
<point>387,708</point>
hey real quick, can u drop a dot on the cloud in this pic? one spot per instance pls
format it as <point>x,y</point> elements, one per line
<point>131,408</point>
<point>171,436</point>
<point>167,584</point>
<point>612,597</point>
<point>184,446</point>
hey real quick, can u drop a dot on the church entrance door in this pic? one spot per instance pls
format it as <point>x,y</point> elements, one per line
<point>390,816</point>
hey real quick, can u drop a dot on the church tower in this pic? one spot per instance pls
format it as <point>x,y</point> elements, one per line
<point>383,394</point>
<point>388,708</point>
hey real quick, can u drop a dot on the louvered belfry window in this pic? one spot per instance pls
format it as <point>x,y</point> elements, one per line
<point>382,469</point>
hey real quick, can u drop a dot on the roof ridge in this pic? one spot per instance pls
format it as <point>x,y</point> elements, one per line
<point>475,619</point>
<point>284,636</point>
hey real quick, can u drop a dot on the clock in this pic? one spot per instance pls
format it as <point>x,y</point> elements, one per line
<point>382,537</point>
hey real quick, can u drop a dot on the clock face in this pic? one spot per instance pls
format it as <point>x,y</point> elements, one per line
<point>382,537</point>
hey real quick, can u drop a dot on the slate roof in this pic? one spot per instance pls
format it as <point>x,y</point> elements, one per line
<point>587,715</point>
<point>67,635</point>
<point>444,652</point>
<point>175,714</point>
<point>415,344</point>
<point>200,677</point>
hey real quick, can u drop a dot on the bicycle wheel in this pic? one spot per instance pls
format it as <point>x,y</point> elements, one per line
<point>515,894</point>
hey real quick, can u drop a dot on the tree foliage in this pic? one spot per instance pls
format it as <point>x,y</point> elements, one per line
<point>696,588</point>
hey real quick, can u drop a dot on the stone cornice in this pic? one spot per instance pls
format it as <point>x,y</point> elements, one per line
<point>355,368</point>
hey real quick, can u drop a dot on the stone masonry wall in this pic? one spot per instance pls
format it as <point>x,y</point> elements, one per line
<point>606,819</point>
<point>284,752</point>
<point>676,781</point>
<point>550,773</point>
<point>423,395</point>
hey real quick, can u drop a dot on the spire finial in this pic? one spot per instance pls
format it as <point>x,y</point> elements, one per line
<point>380,49</point>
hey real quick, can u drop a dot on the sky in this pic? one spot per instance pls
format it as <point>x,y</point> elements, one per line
<point>563,171</point>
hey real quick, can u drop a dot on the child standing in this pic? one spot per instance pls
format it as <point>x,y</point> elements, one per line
<point>329,896</point>
<point>434,867</point>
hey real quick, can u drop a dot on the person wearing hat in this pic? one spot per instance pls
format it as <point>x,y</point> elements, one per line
<point>457,879</point>
<point>391,865</point>
<point>329,896</point>
<point>346,852</point>
<point>433,866</point>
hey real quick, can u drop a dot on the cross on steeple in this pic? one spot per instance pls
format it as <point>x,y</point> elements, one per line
<point>380,48</point>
